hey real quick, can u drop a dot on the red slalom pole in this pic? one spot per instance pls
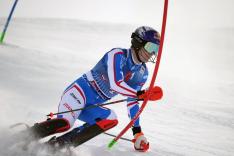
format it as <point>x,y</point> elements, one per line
<point>114,141</point>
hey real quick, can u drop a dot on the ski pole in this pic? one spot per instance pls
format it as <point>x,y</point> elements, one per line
<point>122,138</point>
<point>8,21</point>
<point>91,106</point>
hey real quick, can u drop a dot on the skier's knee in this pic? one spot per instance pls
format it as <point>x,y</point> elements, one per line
<point>69,121</point>
<point>49,127</point>
<point>58,125</point>
<point>65,125</point>
<point>106,124</point>
<point>110,121</point>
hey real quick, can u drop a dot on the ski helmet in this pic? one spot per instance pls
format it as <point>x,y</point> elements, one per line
<point>142,35</point>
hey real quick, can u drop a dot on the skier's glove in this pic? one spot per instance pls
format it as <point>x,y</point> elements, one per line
<point>156,94</point>
<point>140,142</point>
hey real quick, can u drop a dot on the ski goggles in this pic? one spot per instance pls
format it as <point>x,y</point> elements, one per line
<point>151,47</point>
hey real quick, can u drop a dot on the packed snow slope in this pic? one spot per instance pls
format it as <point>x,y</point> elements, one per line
<point>40,57</point>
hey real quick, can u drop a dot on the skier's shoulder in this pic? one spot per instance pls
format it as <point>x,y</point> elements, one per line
<point>121,51</point>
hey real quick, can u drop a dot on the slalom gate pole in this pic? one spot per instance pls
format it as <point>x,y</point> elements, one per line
<point>89,107</point>
<point>114,141</point>
<point>8,21</point>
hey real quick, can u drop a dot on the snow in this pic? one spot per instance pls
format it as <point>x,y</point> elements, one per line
<point>196,116</point>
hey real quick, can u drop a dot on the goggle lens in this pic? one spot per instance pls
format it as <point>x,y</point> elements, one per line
<point>151,47</point>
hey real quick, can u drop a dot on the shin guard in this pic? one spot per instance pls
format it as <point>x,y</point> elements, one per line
<point>49,127</point>
<point>82,134</point>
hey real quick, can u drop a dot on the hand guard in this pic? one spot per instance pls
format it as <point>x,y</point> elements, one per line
<point>156,94</point>
<point>140,142</point>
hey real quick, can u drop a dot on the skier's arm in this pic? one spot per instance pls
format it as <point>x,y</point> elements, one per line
<point>133,105</point>
<point>133,108</point>
<point>139,138</point>
<point>115,74</point>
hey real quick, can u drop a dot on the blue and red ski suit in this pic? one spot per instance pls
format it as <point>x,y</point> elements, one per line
<point>116,73</point>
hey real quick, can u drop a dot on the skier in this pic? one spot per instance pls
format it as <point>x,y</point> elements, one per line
<point>120,71</point>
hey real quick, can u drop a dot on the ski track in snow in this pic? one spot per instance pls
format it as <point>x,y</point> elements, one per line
<point>41,57</point>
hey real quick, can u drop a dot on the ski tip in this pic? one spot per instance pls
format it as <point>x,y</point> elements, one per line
<point>112,143</point>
